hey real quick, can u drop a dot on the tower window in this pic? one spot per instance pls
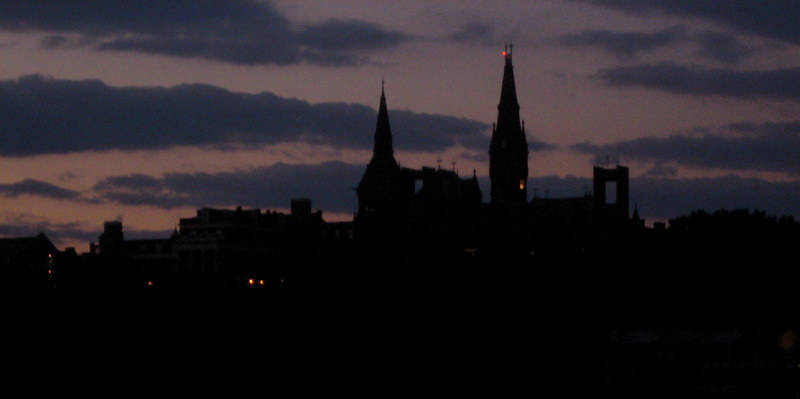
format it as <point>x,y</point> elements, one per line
<point>522,184</point>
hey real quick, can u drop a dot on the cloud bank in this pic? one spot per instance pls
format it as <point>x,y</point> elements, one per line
<point>775,19</point>
<point>49,116</point>
<point>623,44</point>
<point>36,188</point>
<point>771,147</point>
<point>717,46</point>
<point>330,185</point>
<point>777,84</point>
<point>244,32</point>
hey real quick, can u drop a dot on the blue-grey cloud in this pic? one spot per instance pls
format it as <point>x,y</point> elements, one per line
<point>624,44</point>
<point>48,116</point>
<point>777,84</point>
<point>661,170</point>
<point>769,147</point>
<point>721,47</point>
<point>236,31</point>
<point>717,46</point>
<point>58,233</point>
<point>37,188</point>
<point>775,19</point>
<point>348,34</point>
<point>330,185</point>
<point>668,197</point>
<point>474,33</point>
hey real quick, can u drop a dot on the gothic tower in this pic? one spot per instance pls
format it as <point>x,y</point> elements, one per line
<point>379,189</point>
<point>508,152</point>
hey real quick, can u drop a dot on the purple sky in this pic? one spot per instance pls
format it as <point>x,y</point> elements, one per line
<point>146,112</point>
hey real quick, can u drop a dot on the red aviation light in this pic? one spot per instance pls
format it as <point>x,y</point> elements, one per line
<point>505,53</point>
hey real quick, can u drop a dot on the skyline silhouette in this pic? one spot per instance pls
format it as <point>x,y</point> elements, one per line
<point>410,218</point>
<point>614,196</point>
<point>110,117</point>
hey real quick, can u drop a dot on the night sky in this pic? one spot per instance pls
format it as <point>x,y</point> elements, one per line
<point>144,111</point>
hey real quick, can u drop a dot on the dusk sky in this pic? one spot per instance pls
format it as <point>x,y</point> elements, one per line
<point>145,111</point>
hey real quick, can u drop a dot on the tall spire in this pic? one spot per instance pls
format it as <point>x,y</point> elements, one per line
<point>508,154</point>
<point>383,152</point>
<point>508,109</point>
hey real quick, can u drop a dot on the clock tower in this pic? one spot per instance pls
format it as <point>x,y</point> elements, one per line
<point>508,152</point>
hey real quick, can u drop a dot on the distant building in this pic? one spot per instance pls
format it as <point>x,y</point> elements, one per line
<point>431,209</point>
<point>28,261</point>
<point>398,206</point>
<point>216,248</point>
<point>248,246</point>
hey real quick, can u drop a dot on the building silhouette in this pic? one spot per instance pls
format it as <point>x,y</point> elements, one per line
<point>508,152</point>
<point>28,261</point>
<point>431,213</point>
<point>418,210</point>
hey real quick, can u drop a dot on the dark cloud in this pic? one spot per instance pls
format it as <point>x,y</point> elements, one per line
<point>624,44</point>
<point>53,41</point>
<point>57,232</point>
<point>744,146</point>
<point>714,45</point>
<point>661,170</point>
<point>36,188</point>
<point>337,35</point>
<point>535,145</point>
<point>474,33</point>
<point>331,186</point>
<point>721,47</point>
<point>667,197</point>
<point>775,19</point>
<point>236,31</point>
<point>48,116</point>
<point>778,84</point>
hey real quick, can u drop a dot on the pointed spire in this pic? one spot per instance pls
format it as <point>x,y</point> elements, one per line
<point>508,93</point>
<point>508,152</point>
<point>383,151</point>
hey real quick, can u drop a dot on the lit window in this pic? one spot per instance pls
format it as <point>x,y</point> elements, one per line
<point>522,184</point>
<point>251,282</point>
<point>150,283</point>
<point>260,282</point>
